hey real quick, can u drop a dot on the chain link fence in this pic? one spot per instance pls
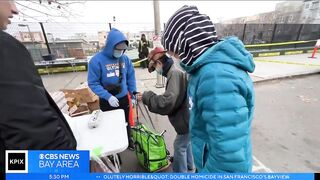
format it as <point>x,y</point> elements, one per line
<point>82,40</point>
<point>269,33</point>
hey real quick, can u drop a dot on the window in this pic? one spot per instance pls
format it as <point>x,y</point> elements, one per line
<point>290,19</point>
<point>307,6</point>
<point>315,5</point>
<point>281,20</point>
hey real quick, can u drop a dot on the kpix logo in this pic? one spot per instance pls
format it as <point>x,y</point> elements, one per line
<point>16,161</point>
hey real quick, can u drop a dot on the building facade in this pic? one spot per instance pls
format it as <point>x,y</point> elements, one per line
<point>102,37</point>
<point>288,12</point>
<point>310,13</point>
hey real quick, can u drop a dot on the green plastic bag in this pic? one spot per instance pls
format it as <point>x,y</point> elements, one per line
<point>150,148</point>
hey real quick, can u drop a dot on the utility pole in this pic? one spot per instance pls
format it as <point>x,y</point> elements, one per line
<point>45,37</point>
<point>110,26</point>
<point>157,31</point>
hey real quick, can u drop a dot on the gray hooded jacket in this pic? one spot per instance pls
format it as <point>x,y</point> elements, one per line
<point>173,102</point>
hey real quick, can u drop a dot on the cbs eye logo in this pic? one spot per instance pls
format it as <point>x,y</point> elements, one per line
<point>16,161</point>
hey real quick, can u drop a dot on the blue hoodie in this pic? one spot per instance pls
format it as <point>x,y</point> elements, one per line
<point>221,97</point>
<point>104,69</point>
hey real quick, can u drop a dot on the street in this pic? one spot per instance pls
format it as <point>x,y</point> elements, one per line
<point>286,125</point>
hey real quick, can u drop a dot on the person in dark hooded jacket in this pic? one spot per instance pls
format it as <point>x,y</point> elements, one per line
<point>29,118</point>
<point>143,50</point>
<point>220,90</point>
<point>111,76</point>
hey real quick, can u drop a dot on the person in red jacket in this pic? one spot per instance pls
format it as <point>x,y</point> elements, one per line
<point>29,118</point>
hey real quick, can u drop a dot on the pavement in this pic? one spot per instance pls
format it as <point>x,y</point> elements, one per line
<point>285,129</point>
<point>268,70</point>
<point>277,67</point>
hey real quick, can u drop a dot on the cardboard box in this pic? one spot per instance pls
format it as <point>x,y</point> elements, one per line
<point>84,95</point>
<point>72,110</point>
<point>79,110</point>
<point>94,105</point>
<point>80,113</point>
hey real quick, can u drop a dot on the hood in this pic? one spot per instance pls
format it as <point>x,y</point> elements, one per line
<point>114,37</point>
<point>229,51</point>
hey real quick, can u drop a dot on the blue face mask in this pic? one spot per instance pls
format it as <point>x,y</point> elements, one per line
<point>117,53</point>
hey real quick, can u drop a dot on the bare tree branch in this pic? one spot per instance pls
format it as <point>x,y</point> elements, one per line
<point>52,8</point>
<point>37,10</point>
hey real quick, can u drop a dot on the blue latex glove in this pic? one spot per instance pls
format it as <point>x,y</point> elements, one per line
<point>113,101</point>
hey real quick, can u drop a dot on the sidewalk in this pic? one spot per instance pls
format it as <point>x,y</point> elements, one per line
<point>267,68</point>
<point>278,67</point>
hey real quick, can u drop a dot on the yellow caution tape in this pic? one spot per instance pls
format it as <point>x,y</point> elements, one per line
<point>269,54</point>
<point>293,52</point>
<point>140,61</point>
<point>287,62</point>
<point>277,44</point>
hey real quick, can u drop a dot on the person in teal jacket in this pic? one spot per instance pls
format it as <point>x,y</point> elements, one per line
<point>221,94</point>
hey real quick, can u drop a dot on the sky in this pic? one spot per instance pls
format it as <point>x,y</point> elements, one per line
<point>136,15</point>
<point>142,11</point>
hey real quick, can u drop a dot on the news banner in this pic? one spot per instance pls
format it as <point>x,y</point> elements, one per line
<point>69,165</point>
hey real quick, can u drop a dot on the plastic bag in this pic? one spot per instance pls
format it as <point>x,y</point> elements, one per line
<point>104,164</point>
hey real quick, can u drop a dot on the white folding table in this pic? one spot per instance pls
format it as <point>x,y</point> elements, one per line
<point>110,136</point>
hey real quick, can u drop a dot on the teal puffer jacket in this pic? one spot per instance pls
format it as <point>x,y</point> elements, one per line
<point>222,104</point>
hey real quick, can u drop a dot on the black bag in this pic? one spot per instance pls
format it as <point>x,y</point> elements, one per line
<point>114,89</point>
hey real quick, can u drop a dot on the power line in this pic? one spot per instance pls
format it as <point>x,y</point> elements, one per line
<point>62,9</point>
<point>36,10</point>
<point>29,16</point>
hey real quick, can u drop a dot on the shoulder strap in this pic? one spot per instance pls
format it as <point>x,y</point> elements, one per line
<point>120,71</point>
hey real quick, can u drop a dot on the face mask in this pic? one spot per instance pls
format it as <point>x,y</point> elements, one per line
<point>117,53</point>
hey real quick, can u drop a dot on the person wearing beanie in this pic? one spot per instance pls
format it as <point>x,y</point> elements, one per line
<point>220,91</point>
<point>174,103</point>
<point>111,76</point>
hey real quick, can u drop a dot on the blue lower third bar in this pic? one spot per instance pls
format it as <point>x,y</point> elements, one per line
<point>58,161</point>
<point>136,176</point>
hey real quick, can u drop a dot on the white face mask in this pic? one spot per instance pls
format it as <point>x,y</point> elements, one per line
<point>117,53</point>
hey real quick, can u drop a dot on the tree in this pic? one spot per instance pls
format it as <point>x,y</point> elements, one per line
<point>48,10</point>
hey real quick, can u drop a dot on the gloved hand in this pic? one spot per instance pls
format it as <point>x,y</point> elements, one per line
<point>113,101</point>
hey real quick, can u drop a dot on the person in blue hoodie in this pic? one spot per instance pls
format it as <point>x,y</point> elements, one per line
<point>111,76</point>
<point>221,94</point>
